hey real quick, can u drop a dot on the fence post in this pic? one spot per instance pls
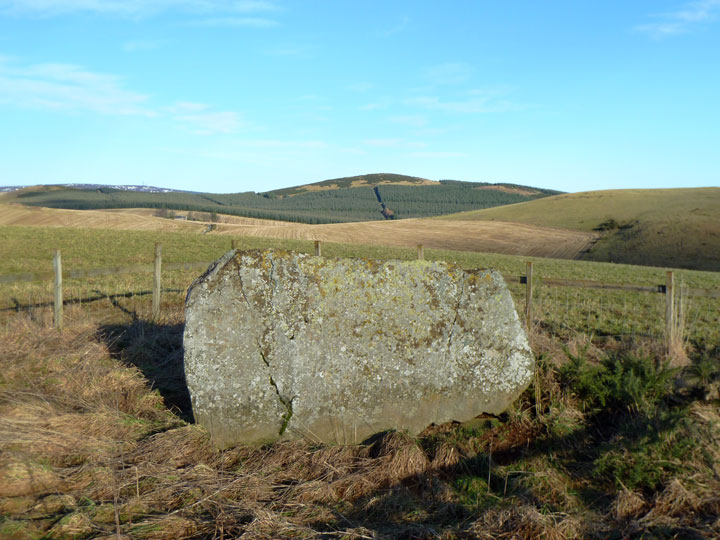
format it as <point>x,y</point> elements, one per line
<point>57,266</point>
<point>528,293</point>
<point>421,252</point>
<point>157,283</point>
<point>669,308</point>
<point>233,244</point>
<point>318,248</point>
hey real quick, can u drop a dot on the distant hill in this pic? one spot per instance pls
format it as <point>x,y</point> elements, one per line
<point>359,198</point>
<point>127,187</point>
<point>655,227</point>
<point>363,180</point>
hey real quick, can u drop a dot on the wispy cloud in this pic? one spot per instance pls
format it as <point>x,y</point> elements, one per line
<point>67,87</point>
<point>237,22</point>
<point>259,151</point>
<point>70,88</point>
<point>393,143</point>
<point>477,103</point>
<point>141,45</point>
<point>373,106</point>
<point>436,155</point>
<point>201,119</point>
<point>682,21</point>
<point>398,27</point>
<point>415,121</point>
<point>212,123</point>
<point>361,87</point>
<point>449,73</point>
<point>134,8</point>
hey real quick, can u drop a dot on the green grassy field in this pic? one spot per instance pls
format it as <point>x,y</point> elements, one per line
<point>678,227</point>
<point>612,313</point>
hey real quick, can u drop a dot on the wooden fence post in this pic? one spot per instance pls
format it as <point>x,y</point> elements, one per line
<point>318,248</point>
<point>157,283</point>
<point>57,266</point>
<point>421,252</point>
<point>233,245</point>
<point>528,293</point>
<point>669,308</point>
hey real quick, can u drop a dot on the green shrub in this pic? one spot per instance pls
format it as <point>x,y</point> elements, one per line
<point>647,450</point>
<point>622,382</point>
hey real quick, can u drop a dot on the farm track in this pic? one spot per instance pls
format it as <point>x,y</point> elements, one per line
<point>484,236</point>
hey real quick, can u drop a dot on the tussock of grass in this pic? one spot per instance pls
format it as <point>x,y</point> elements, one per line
<point>93,445</point>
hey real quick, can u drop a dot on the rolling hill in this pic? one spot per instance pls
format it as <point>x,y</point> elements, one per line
<point>656,227</point>
<point>360,198</point>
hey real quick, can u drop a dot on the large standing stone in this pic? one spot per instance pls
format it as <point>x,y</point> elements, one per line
<point>282,344</point>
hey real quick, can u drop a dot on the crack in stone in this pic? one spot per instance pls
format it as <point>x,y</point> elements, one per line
<point>287,403</point>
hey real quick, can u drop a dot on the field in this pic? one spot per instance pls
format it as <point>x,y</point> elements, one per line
<point>509,238</point>
<point>659,227</point>
<point>97,439</point>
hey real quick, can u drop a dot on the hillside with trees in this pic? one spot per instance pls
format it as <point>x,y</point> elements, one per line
<point>360,198</point>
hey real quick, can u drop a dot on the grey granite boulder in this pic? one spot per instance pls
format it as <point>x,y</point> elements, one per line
<point>286,345</point>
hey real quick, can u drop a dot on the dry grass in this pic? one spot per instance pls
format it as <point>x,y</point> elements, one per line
<point>88,449</point>
<point>35,216</point>
<point>483,236</point>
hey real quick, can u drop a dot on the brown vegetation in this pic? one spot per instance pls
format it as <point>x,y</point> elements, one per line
<point>93,444</point>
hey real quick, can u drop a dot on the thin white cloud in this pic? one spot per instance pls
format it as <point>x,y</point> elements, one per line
<point>373,106</point>
<point>141,45</point>
<point>436,155</point>
<point>212,123</point>
<point>477,104</point>
<point>66,87</point>
<point>415,121</point>
<point>237,22</point>
<point>383,143</point>
<point>681,21</point>
<point>261,151</point>
<point>133,8</point>
<point>69,88</point>
<point>449,73</point>
<point>398,27</point>
<point>361,87</point>
<point>393,143</point>
<point>201,119</point>
<point>187,107</point>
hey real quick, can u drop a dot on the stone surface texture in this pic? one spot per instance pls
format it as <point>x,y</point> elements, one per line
<point>288,345</point>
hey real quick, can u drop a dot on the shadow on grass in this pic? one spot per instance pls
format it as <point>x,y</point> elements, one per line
<point>491,492</point>
<point>157,351</point>
<point>17,306</point>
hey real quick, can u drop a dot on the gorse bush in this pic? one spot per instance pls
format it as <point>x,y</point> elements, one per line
<point>622,382</point>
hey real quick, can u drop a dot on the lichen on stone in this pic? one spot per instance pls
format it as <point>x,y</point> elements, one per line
<point>285,345</point>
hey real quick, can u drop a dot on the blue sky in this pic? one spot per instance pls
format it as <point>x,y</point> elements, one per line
<point>252,95</point>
